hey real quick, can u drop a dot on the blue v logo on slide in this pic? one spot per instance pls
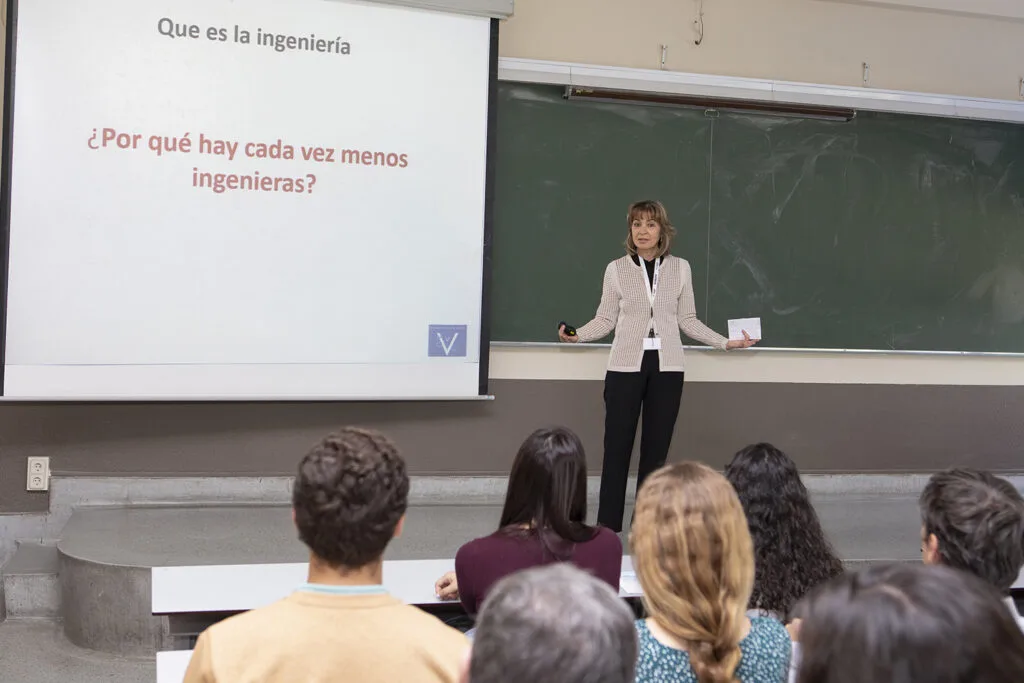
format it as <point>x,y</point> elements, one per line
<point>447,341</point>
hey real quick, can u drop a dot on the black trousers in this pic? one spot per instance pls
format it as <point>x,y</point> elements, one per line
<point>627,395</point>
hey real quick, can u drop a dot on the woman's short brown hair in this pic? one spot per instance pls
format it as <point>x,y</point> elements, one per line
<point>654,210</point>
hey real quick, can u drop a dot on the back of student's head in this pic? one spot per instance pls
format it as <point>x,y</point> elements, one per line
<point>905,623</point>
<point>555,624</point>
<point>792,553</point>
<point>977,520</point>
<point>694,559</point>
<point>547,488</point>
<point>349,495</point>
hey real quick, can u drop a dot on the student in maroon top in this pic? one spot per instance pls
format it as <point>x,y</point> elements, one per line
<point>543,522</point>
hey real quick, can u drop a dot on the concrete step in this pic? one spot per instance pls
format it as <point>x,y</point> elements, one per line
<point>107,554</point>
<point>31,582</point>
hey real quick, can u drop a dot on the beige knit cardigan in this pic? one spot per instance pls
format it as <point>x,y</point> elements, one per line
<point>626,308</point>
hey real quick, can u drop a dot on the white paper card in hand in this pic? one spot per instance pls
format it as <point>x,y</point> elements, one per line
<point>752,326</point>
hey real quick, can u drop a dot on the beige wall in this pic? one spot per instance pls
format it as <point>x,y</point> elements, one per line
<point>1000,9</point>
<point>565,362</point>
<point>819,41</point>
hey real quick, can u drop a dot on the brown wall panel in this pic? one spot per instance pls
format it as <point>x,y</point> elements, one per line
<point>826,427</point>
<point>858,427</point>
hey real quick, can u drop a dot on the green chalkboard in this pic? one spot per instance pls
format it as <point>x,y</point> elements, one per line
<point>884,232</point>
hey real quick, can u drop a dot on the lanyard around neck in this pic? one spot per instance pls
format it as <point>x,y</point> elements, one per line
<point>652,284</point>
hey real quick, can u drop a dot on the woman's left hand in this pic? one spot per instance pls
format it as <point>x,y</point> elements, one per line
<point>447,587</point>
<point>744,343</point>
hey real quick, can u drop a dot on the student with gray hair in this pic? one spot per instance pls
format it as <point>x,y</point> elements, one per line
<point>553,624</point>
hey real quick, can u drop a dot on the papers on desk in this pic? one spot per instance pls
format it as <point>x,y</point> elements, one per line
<point>752,326</point>
<point>629,585</point>
<point>171,666</point>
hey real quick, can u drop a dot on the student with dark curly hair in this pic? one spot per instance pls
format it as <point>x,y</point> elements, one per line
<point>349,500</point>
<point>791,552</point>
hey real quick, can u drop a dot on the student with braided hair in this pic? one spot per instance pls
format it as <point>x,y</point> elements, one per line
<point>694,559</point>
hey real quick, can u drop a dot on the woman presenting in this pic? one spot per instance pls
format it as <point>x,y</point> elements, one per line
<point>647,297</point>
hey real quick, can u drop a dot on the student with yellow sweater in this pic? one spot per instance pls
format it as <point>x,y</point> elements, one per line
<point>349,501</point>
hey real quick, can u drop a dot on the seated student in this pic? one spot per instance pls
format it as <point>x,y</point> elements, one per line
<point>909,622</point>
<point>543,521</point>
<point>695,562</point>
<point>349,501</point>
<point>554,624</point>
<point>791,552</point>
<point>974,521</point>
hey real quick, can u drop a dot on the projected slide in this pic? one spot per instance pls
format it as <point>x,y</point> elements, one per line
<point>246,199</point>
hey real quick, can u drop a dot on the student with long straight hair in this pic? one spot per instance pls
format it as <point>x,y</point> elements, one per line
<point>695,562</point>
<point>907,623</point>
<point>542,522</point>
<point>791,552</point>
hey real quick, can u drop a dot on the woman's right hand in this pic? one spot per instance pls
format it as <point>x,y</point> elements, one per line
<point>447,587</point>
<point>562,336</point>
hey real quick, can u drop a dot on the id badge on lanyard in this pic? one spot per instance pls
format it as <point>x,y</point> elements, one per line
<point>651,343</point>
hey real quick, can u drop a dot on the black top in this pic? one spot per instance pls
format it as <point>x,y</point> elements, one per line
<point>649,264</point>
<point>650,278</point>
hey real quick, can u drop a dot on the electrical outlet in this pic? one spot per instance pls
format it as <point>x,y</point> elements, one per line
<point>38,474</point>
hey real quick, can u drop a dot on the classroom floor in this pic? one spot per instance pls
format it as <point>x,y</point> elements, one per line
<point>36,652</point>
<point>863,527</point>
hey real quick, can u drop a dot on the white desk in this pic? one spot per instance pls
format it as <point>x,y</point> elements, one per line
<point>237,588</point>
<point>171,666</point>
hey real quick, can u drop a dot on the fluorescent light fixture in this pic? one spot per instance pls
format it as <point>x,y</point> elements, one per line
<point>807,111</point>
<point>734,89</point>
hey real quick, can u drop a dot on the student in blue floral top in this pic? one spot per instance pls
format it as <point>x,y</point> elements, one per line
<point>695,562</point>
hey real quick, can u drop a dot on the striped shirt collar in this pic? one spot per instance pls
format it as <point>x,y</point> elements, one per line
<point>325,589</point>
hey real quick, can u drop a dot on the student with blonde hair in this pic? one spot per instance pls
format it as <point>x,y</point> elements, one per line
<point>694,559</point>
